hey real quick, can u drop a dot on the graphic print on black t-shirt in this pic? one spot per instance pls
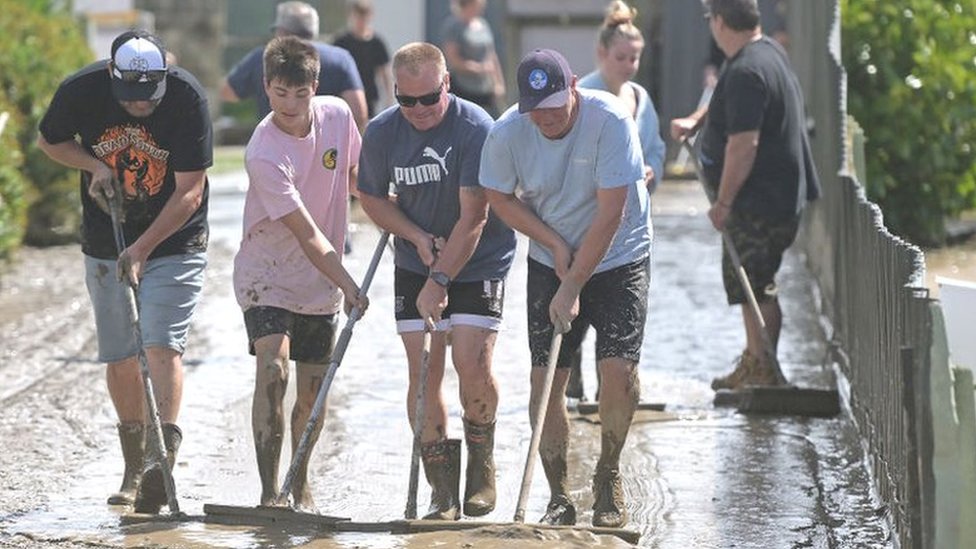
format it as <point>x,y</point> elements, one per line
<point>138,163</point>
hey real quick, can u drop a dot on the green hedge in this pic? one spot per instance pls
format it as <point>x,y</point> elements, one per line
<point>911,68</point>
<point>40,45</point>
<point>13,203</point>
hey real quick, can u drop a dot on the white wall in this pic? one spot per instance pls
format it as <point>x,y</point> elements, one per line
<point>94,6</point>
<point>399,22</point>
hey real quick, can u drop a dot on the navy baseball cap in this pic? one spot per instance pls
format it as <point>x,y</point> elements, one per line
<point>138,67</point>
<point>544,78</point>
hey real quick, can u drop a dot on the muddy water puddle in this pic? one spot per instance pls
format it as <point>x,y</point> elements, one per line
<point>681,468</point>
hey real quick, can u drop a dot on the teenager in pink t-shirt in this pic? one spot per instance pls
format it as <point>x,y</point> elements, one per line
<point>287,274</point>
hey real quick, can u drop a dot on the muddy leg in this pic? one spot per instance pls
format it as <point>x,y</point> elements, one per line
<point>620,393</point>
<point>267,415</point>
<point>553,446</point>
<point>310,378</point>
<point>435,413</point>
<point>472,354</point>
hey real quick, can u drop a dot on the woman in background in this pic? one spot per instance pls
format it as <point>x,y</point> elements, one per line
<point>468,45</point>
<point>618,53</point>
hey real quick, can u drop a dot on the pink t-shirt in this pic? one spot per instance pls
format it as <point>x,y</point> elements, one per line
<point>285,172</point>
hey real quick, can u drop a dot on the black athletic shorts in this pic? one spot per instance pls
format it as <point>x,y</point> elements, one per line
<point>468,303</point>
<point>310,337</point>
<point>614,302</point>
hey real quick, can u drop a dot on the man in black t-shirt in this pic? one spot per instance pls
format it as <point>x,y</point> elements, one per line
<point>140,133</point>
<point>370,53</point>
<point>758,167</point>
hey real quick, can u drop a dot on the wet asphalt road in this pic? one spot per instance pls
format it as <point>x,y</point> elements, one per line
<point>696,476</point>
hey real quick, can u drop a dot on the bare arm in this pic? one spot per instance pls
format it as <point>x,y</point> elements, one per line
<point>323,255</point>
<point>564,306</point>
<point>357,103</point>
<point>384,77</point>
<point>740,155</point>
<point>73,155</point>
<point>457,251</point>
<point>457,63</point>
<point>517,215</point>
<point>597,239</point>
<point>178,208</point>
<point>683,128</point>
<point>388,216</point>
<point>227,93</point>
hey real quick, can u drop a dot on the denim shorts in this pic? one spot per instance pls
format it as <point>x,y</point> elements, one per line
<point>168,293</point>
<point>614,302</point>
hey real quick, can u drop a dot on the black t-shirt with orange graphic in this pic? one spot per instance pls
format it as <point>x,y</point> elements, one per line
<point>145,153</point>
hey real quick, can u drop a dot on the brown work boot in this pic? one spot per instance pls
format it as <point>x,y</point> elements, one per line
<point>151,495</point>
<point>559,512</point>
<point>608,499</point>
<point>479,478</point>
<point>763,374</point>
<point>442,465</point>
<point>132,436</point>
<point>734,380</point>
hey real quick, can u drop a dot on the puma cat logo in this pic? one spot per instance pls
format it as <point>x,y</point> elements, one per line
<point>429,152</point>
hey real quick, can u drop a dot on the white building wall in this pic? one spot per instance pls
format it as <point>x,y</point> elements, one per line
<point>399,22</point>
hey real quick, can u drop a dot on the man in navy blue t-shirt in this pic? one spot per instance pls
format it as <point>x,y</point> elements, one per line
<point>452,257</point>
<point>338,74</point>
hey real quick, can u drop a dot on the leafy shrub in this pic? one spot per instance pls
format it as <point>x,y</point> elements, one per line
<point>12,186</point>
<point>41,44</point>
<point>911,68</point>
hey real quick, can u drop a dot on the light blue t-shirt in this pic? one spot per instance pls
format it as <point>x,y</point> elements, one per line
<point>426,170</point>
<point>558,179</point>
<point>648,126</point>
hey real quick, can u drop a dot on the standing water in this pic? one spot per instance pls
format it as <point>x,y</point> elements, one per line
<point>695,476</point>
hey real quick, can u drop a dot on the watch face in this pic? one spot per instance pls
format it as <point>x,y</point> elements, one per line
<point>440,278</point>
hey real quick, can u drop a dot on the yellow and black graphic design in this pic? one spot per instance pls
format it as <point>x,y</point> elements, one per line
<point>329,159</point>
<point>139,164</point>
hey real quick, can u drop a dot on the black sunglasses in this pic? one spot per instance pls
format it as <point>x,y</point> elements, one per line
<point>140,76</point>
<point>425,100</point>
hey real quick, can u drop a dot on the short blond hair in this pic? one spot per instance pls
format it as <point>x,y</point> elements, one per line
<point>416,56</point>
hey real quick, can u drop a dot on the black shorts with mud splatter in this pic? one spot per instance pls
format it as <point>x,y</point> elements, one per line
<point>614,302</point>
<point>311,337</point>
<point>761,244</point>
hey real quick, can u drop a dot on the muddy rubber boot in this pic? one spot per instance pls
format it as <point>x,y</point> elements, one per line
<point>442,465</point>
<point>560,510</point>
<point>744,364</point>
<point>479,478</point>
<point>132,436</point>
<point>151,495</point>
<point>761,374</point>
<point>608,499</point>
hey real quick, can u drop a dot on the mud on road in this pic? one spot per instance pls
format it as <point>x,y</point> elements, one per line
<point>694,476</point>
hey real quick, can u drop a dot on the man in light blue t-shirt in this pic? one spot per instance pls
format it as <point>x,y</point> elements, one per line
<point>565,168</point>
<point>452,257</point>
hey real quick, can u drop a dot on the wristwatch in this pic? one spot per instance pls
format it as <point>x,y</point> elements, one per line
<point>440,278</point>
